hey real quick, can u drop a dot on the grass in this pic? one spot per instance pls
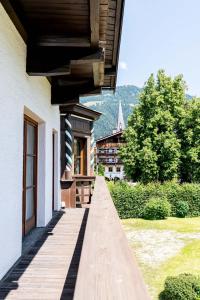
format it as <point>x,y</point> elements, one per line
<point>185,225</point>
<point>187,260</point>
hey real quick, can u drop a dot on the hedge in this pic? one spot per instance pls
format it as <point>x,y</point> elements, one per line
<point>181,287</point>
<point>130,200</point>
<point>157,209</point>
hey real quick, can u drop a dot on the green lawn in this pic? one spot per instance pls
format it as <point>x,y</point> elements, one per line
<point>163,248</point>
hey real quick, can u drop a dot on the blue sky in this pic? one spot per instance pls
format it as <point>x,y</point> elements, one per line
<point>161,34</point>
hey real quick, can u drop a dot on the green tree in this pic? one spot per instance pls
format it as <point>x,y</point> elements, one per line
<point>154,148</point>
<point>101,170</point>
<point>189,134</point>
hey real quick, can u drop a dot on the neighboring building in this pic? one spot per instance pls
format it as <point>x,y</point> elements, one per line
<point>107,150</point>
<point>77,152</point>
<point>51,53</point>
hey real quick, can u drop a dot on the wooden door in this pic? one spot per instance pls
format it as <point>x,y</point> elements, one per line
<point>29,175</point>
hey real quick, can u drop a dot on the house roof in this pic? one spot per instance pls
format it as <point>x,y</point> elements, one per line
<point>109,136</point>
<point>75,44</point>
<point>81,111</point>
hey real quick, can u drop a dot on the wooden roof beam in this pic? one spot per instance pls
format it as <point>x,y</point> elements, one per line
<point>64,70</point>
<point>65,81</point>
<point>94,22</point>
<point>118,29</point>
<point>110,72</point>
<point>98,73</point>
<point>62,41</point>
<point>53,61</point>
<point>96,57</point>
<point>65,94</point>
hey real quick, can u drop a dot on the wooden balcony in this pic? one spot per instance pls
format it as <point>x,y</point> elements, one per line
<point>82,255</point>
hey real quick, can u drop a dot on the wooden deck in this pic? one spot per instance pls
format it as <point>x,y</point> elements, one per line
<point>110,270</point>
<point>49,269</point>
<point>61,265</point>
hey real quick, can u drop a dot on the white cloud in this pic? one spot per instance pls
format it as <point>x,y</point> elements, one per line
<point>123,65</point>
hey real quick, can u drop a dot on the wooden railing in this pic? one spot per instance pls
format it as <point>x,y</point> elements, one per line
<point>83,189</point>
<point>108,269</point>
<point>77,191</point>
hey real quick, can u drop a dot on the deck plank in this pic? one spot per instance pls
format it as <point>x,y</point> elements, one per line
<point>49,269</point>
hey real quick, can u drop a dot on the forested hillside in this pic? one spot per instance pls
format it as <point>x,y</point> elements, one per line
<point>108,103</point>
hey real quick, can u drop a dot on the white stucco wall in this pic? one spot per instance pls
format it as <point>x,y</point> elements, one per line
<point>19,94</point>
<point>114,173</point>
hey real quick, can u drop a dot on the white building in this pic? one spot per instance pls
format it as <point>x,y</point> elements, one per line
<point>48,60</point>
<point>114,172</point>
<point>51,53</point>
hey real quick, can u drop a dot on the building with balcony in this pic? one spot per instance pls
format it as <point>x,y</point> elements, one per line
<point>107,149</point>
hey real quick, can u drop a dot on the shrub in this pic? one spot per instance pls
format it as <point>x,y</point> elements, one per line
<point>182,287</point>
<point>131,200</point>
<point>101,170</point>
<point>157,209</point>
<point>182,209</point>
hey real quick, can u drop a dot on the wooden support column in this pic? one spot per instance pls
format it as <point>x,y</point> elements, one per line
<point>68,147</point>
<point>92,150</point>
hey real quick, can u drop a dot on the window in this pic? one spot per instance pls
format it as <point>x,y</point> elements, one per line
<point>110,169</point>
<point>118,169</point>
<point>80,159</point>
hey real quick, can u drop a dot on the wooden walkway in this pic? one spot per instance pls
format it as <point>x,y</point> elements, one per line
<point>49,269</point>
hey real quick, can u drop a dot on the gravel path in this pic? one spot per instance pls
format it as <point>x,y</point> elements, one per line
<point>153,247</point>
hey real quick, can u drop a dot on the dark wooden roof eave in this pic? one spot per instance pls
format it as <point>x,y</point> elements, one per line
<point>22,14</point>
<point>118,39</point>
<point>81,111</point>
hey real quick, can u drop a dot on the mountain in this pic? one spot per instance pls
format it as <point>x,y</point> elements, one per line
<point>108,104</point>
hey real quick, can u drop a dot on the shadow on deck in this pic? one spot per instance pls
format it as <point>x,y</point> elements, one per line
<point>70,282</point>
<point>48,270</point>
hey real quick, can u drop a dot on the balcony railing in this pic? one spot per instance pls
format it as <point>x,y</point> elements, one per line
<point>110,161</point>
<point>108,269</point>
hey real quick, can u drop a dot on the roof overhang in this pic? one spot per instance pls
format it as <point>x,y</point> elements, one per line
<point>75,44</point>
<point>118,133</point>
<point>80,110</point>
